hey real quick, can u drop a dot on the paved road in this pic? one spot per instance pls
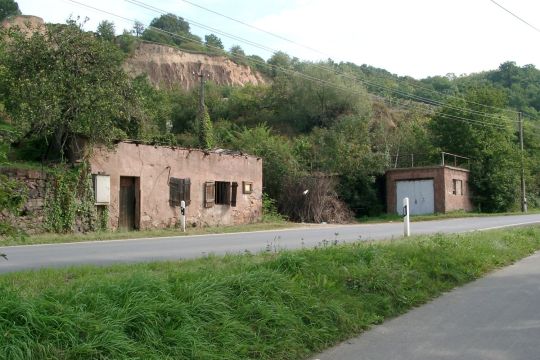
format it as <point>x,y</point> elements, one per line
<point>139,250</point>
<point>494,318</point>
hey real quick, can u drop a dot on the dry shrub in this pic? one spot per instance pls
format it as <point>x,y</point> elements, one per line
<point>319,204</point>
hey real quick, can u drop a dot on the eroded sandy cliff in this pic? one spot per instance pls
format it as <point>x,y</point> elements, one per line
<point>168,67</point>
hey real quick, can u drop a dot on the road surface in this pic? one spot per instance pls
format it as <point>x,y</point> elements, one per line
<point>183,247</point>
<point>494,318</point>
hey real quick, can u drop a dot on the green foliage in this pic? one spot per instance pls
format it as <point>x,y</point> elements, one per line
<point>138,28</point>
<point>65,82</point>
<point>127,42</point>
<point>238,55</point>
<point>12,197</point>
<point>304,104</point>
<point>8,8</point>
<point>106,31</point>
<point>285,305</point>
<point>493,150</point>
<point>205,129</point>
<point>70,197</point>
<point>278,158</point>
<point>172,25</point>
<point>213,43</point>
<point>270,209</point>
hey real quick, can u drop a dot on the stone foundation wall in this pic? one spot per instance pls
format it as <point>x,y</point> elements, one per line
<point>32,216</point>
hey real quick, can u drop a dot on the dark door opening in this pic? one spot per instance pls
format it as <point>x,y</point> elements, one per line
<point>129,195</point>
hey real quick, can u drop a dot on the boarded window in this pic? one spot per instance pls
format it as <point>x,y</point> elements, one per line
<point>234,191</point>
<point>179,189</point>
<point>209,193</point>
<point>223,193</point>
<point>247,187</point>
<point>458,187</point>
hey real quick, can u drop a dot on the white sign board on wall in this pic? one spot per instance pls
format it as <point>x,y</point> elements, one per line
<point>421,196</point>
<point>102,189</point>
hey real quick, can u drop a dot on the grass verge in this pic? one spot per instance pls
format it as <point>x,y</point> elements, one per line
<point>284,305</point>
<point>50,238</point>
<point>436,216</point>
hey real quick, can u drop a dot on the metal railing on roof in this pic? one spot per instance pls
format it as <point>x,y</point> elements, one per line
<point>426,160</point>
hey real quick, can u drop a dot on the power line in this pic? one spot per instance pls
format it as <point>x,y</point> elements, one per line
<point>140,3</point>
<point>516,16</point>
<point>355,78</point>
<point>254,27</point>
<point>289,71</point>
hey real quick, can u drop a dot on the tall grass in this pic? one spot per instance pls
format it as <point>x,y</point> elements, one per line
<point>283,305</point>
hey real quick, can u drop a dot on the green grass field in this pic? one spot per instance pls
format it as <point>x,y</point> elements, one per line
<point>284,305</point>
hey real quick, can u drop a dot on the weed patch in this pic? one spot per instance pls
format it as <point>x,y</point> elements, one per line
<point>274,305</point>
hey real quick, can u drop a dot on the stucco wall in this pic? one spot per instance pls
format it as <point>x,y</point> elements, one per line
<point>442,177</point>
<point>155,165</point>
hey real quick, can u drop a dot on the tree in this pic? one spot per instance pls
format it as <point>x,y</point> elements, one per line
<point>465,128</point>
<point>238,54</point>
<point>8,8</point>
<point>64,82</point>
<point>174,31</point>
<point>126,42</point>
<point>138,28</point>
<point>106,30</point>
<point>212,41</point>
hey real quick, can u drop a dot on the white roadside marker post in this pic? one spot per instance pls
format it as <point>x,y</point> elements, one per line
<point>406,218</point>
<point>183,215</point>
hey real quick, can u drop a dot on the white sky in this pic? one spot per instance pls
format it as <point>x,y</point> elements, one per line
<point>418,38</point>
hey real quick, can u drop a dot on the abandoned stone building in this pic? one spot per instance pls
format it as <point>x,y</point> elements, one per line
<point>430,189</point>
<point>143,185</point>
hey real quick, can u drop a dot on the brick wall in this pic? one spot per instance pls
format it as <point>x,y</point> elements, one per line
<point>442,176</point>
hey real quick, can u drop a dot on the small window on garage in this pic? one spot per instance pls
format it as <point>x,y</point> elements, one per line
<point>179,189</point>
<point>458,187</point>
<point>247,187</point>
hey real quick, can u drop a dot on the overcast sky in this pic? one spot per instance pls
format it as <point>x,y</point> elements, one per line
<point>418,38</point>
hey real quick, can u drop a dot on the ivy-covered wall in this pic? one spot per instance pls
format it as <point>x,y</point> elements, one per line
<point>60,200</point>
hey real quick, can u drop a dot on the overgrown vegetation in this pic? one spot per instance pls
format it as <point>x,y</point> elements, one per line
<point>311,121</point>
<point>284,305</point>
<point>70,198</point>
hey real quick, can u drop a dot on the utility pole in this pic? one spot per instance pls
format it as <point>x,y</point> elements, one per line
<point>523,194</point>
<point>201,90</point>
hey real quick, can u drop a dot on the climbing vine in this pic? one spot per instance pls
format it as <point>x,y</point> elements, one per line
<point>69,202</point>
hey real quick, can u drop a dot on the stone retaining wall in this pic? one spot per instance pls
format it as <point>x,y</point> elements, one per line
<point>32,216</point>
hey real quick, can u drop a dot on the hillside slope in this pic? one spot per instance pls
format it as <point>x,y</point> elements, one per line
<point>169,67</point>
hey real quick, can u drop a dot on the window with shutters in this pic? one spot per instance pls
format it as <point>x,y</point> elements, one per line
<point>234,191</point>
<point>223,193</point>
<point>209,194</point>
<point>179,189</point>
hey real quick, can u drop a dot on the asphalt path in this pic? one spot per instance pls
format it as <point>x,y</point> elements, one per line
<point>494,318</point>
<point>185,247</point>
